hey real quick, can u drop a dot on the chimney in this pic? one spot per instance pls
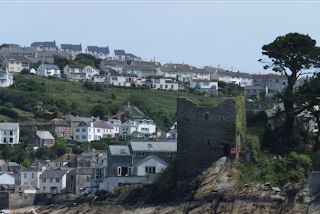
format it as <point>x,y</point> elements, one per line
<point>91,124</point>
<point>94,119</point>
<point>106,117</point>
<point>118,117</point>
<point>175,67</point>
<point>129,104</point>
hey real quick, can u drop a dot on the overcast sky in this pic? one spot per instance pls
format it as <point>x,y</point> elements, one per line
<point>229,34</point>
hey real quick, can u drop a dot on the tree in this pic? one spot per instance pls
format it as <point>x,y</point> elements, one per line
<point>129,61</point>
<point>25,71</point>
<point>133,84</point>
<point>99,110</point>
<point>293,54</point>
<point>7,151</point>
<point>26,163</point>
<point>113,95</point>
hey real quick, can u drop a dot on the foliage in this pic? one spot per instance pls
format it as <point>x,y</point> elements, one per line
<point>113,95</point>
<point>60,61</point>
<point>240,119</point>
<point>169,176</point>
<point>133,84</point>
<point>99,111</point>
<point>229,89</point>
<point>129,61</point>
<point>88,59</point>
<point>302,163</point>
<point>292,55</point>
<point>8,112</point>
<point>6,152</point>
<point>102,71</point>
<point>25,71</point>
<point>26,163</point>
<point>254,146</point>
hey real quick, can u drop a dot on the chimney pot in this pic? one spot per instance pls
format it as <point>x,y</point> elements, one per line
<point>129,104</point>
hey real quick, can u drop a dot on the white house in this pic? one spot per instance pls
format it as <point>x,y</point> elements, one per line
<point>145,126</point>
<point>6,79</point>
<point>161,82</point>
<point>100,52</point>
<point>117,65</point>
<point>204,85</point>
<point>33,71</point>
<point>9,133</point>
<point>45,70</point>
<point>116,126</point>
<point>7,179</point>
<point>45,46</point>
<point>149,165</point>
<point>121,79</point>
<point>243,79</point>
<point>31,175</point>
<point>72,50</point>
<point>79,72</point>
<point>92,131</point>
<point>53,181</point>
<point>119,54</point>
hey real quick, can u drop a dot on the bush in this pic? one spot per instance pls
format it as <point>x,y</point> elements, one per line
<point>9,112</point>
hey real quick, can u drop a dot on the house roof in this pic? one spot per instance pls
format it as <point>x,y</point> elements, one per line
<point>144,121</point>
<point>51,53</point>
<point>249,87</point>
<point>83,124</point>
<point>268,76</point>
<point>128,123</point>
<point>53,173</point>
<point>46,66</point>
<point>37,106</point>
<point>119,150</point>
<point>99,49</point>
<point>45,44</point>
<point>153,146</point>
<point>200,80</point>
<point>29,123</point>
<point>141,67</point>
<point>65,157</point>
<point>77,66</point>
<point>18,50</point>
<point>82,171</point>
<point>133,110</point>
<point>149,158</point>
<point>114,62</point>
<point>143,63</point>
<point>56,122</point>
<point>71,47</point>
<point>102,125</point>
<point>36,166</point>
<point>131,55</point>
<point>44,135</point>
<point>11,164</point>
<point>234,74</point>
<point>119,52</point>
<point>9,126</point>
<point>72,118</point>
<point>172,65</point>
<point>17,58</point>
<point>37,59</point>
<point>199,70</point>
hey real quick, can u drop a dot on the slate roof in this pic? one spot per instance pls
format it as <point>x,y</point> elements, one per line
<point>45,66</point>
<point>44,135</point>
<point>37,59</point>
<point>72,118</point>
<point>71,47</point>
<point>234,74</point>
<point>64,158</point>
<point>200,80</point>
<point>11,164</point>
<point>130,55</point>
<point>141,67</point>
<point>36,166</point>
<point>29,123</point>
<point>145,63</point>
<point>172,65</point>
<point>53,173</point>
<point>198,70</point>
<point>17,58</point>
<point>102,125</point>
<point>268,76</point>
<point>82,171</point>
<point>114,62</point>
<point>9,126</point>
<point>133,110</point>
<point>83,124</point>
<point>149,158</point>
<point>56,122</point>
<point>153,146</point>
<point>45,44</point>
<point>51,53</point>
<point>128,123</point>
<point>18,50</point>
<point>119,52</point>
<point>258,87</point>
<point>117,150</point>
<point>104,50</point>
<point>77,66</point>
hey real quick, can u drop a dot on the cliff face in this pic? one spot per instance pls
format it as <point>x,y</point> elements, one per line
<point>213,192</point>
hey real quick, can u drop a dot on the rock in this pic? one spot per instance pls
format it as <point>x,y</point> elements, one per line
<point>277,198</point>
<point>246,185</point>
<point>267,184</point>
<point>287,185</point>
<point>277,189</point>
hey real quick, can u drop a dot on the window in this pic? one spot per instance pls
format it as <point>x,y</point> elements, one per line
<point>4,139</point>
<point>43,180</point>
<point>77,137</point>
<point>44,188</point>
<point>77,130</point>
<point>156,80</point>
<point>115,78</point>
<point>150,169</point>
<point>83,130</point>
<point>50,180</point>
<point>71,187</point>
<point>277,80</point>
<point>98,130</point>
<point>32,175</point>
<point>169,154</point>
<point>11,140</point>
<point>4,132</point>
<point>166,86</point>
<point>160,86</point>
<point>32,183</point>
<point>154,86</point>
<point>140,154</point>
<point>25,183</point>
<point>60,164</point>
<point>171,86</point>
<point>25,175</point>
<point>11,133</point>
<point>18,63</point>
<point>84,137</point>
<point>11,63</point>
<point>11,68</point>
<point>57,180</point>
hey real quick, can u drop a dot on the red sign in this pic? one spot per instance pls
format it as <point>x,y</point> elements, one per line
<point>233,151</point>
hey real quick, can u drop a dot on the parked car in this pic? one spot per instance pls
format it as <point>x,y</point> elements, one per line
<point>5,211</point>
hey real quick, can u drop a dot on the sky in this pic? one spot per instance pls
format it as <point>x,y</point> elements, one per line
<point>228,34</point>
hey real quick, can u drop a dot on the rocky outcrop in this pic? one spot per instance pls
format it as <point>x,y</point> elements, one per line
<point>215,191</point>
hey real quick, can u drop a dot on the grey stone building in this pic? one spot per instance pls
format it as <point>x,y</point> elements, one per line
<point>119,160</point>
<point>77,180</point>
<point>205,134</point>
<point>41,138</point>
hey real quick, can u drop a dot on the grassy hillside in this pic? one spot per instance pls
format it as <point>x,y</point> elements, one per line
<point>54,94</point>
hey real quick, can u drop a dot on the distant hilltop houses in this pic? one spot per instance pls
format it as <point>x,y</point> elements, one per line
<point>117,71</point>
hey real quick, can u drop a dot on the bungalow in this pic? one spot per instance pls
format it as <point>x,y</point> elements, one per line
<point>121,79</point>
<point>53,181</point>
<point>161,82</point>
<point>48,70</point>
<point>79,72</point>
<point>148,165</point>
<point>204,85</point>
<point>15,63</point>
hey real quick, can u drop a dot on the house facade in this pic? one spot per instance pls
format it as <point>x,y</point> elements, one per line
<point>166,83</point>
<point>127,128</point>
<point>146,127</point>
<point>61,127</point>
<point>92,131</point>
<point>53,181</point>
<point>117,65</point>
<point>48,70</point>
<point>99,78</point>
<point>15,63</point>
<point>119,161</point>
<point>204,85</point>
<point>6,79</point>
<point>41,138</point>
<point>79,72</point>
<point>149,165</point>
<point>100,52</point>
<point>9,133</point>
<point>121,79</point>
<point>255,91</point>
<point>274,82</point>
<point>119,54</point>
<point>72,50</point>
<point>76,120</point>
<point>77,180</point>
<point>63,160</point>
<point>31,175</point>
<point>243,79</point>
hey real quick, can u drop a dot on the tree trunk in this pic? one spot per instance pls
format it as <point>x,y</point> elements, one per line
<point>289,121</point>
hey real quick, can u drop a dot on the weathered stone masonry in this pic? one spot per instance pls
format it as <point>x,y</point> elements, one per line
<point>205,134</point>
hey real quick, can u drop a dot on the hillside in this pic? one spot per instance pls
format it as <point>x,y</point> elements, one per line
<point>65,97</point>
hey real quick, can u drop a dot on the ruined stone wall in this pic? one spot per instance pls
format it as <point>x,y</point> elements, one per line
<point>17,200</point>
<point>205,134</point>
